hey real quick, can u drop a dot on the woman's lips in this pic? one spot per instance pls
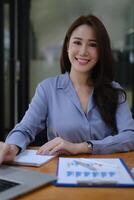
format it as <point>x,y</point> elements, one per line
<point>82,61</point>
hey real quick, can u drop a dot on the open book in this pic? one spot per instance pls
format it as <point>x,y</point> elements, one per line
<point>30,158</point>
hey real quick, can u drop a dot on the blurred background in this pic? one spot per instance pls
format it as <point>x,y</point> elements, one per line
<point>31,36</point>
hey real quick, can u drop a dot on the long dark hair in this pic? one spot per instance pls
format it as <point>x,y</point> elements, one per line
<point>106,96</point>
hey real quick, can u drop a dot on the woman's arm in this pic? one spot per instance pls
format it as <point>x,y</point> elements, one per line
<point>123,141</point>
<point>59,146</point>
<point>33,121</point>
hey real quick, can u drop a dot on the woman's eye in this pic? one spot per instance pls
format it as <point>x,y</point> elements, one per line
<point>77,42</point>
<point>93,45</point>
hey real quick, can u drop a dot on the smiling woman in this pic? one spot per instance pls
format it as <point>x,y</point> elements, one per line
<point>82,49</point>
<point>84,109</point>
<point>83,56</point>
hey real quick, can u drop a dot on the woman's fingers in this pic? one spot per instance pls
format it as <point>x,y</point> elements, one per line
<point>58,151</point>
<point>47,147</point>
<point>7,152</point>
<point>57,146</point>
<point>2,152</point>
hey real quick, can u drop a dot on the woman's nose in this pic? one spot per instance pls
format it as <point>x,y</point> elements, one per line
<point>83,50</point>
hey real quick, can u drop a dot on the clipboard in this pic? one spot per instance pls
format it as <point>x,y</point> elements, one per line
<point>93,172</point>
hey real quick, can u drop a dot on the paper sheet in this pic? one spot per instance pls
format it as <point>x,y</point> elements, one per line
<point>110,170</point>
<point>29,157</point>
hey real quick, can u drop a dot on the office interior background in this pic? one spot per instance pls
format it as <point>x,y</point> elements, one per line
<point>31,36</point>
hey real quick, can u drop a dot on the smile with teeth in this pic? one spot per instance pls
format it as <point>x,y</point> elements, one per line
<point>82,61</point>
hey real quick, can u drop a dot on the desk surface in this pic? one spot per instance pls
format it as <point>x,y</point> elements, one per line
<point>51,192</point>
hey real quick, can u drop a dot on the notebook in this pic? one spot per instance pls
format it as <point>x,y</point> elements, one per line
<point>16,181</point>
<point>30,158</point>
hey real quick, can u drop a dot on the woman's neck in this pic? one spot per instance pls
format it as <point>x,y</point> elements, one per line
<point>79,78</point>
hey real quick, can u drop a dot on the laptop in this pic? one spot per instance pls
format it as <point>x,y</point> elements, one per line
<point>15,181</point>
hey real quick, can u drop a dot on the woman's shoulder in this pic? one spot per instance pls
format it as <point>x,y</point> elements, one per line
<point>54,81</point>
<point>116,84</point>
<point>121,90</point>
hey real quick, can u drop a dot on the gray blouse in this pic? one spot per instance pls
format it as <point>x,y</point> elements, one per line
<point>57,106</point>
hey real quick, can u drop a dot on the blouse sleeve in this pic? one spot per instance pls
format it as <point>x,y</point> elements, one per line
<point>33,121</point>
<point>124,140</point>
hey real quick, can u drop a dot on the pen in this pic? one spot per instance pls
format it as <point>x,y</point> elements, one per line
<point>86,165</point>
<point>99,163</point>
<point>96,182</point>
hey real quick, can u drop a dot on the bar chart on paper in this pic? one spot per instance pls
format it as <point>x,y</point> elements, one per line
<point>91,172</point>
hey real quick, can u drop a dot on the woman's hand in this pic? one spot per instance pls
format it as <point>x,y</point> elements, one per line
<point>7,152</point>
<point>59,146</point>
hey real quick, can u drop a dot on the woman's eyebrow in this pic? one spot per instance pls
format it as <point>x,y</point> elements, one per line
<point>77,38</point>
<point>90,40</point>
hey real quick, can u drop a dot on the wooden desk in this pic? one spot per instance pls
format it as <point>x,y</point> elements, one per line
<point>73,193</point>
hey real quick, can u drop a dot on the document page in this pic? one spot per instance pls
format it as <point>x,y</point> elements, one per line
<point>93,171</point>
<point>29,157</point>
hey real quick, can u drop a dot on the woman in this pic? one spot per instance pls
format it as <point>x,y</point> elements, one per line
<point>84,110</point>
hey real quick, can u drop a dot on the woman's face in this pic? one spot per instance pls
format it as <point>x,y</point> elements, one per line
<point>83,49</point>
